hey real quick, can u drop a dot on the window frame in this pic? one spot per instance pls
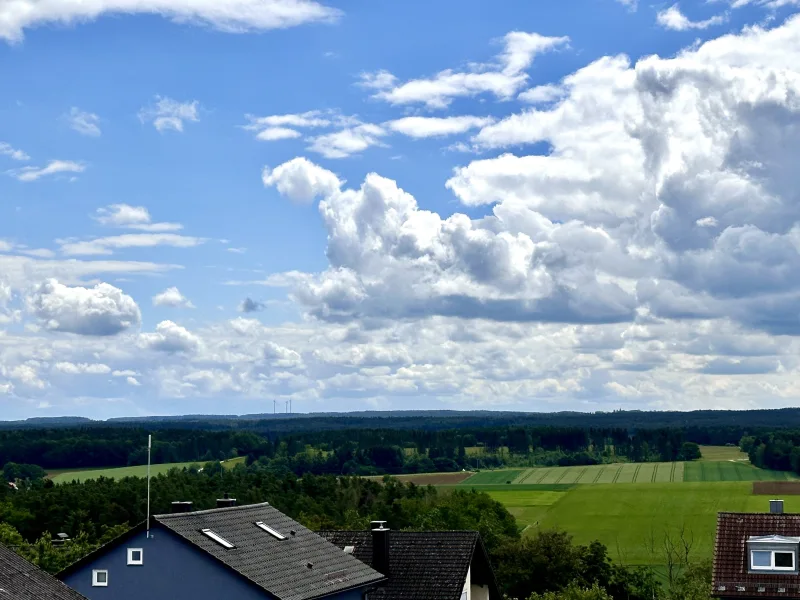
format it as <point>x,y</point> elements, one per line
<point>793,551</point>
<point>131,561</point>
<point>95,581</point>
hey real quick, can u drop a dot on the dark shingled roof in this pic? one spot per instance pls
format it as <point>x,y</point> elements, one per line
<point>731,560</point>
<point>423,565</point>
<point>281,567</point>
<point>21,580</point>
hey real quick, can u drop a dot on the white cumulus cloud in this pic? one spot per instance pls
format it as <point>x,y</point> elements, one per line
<point>502,78</point>
<point>423,127</point>
<point>172,297</point>
<point>673,18</point>
<point>170,337</point>
<point>99,311</point>
<point>132,217</point>
<point>232,16</point>
<point>301,180</point>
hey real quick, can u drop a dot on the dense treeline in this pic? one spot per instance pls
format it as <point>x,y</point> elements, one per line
<point>548,564</point>
<point>779,450</point>
<point>358,451</point>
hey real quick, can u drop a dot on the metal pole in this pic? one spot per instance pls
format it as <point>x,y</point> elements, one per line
<point>149,445</point>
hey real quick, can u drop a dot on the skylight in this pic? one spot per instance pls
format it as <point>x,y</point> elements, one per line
<point>270,530</point>
<point>217,538</point>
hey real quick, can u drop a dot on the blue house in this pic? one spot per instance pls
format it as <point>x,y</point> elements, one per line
<point>251,552</point>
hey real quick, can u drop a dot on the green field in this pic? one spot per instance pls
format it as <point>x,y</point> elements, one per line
<point>628,519</point>
<point>65,476</point>
<point>723,453</point>
<point>698,471</point>
<point>631,506</point>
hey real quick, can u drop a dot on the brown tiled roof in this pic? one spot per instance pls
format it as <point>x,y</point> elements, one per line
<point>730,556</point>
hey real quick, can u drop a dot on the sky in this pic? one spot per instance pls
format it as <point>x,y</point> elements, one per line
<point>218,206</point>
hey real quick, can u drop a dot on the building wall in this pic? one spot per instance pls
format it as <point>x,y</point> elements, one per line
<point>172,570</point>
<point>479,592</point>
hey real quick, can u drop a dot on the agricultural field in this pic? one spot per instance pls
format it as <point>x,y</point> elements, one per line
<point>443,479</point>
<point>631,506</point>
<point>723,453</point>
<point>613,473</point>
<point>630,519</point>
<point>66,475</point>
<point>495,477</point>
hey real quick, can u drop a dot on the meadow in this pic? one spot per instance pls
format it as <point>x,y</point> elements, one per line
<point>67,475</point>
<point>630,507</point>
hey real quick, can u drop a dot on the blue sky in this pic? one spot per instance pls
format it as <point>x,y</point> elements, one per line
<point>518,205</point>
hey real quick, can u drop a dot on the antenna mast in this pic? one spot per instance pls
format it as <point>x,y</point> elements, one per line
<point>149,446</point>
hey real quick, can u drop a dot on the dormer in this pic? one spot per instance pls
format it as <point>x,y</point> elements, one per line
<point>773,554</point>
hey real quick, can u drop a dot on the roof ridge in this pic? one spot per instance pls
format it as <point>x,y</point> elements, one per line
<point>211,511</point>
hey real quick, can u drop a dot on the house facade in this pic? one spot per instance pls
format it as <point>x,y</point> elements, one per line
<point>249,552</point>
<point>756,555</point>
<point>422,565</point>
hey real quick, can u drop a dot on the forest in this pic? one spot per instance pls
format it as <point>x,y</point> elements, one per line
<point>356,451</point>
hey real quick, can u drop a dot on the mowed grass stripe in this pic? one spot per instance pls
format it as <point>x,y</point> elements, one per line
<point>590,474</point>
<point>537,475</point>
<point>663,472</point>
<point>572,474</point>
<point>645,473</point>
<point>490,477</point>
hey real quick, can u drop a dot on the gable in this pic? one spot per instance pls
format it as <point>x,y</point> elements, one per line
<point>295,565</point>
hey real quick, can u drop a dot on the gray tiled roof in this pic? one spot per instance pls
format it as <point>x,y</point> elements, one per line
<point>281,567</point>
<point>21,580</point>
<point>423,565</point>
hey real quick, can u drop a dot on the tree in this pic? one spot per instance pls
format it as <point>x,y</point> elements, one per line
<point>694,583</point>
<point>689,451</point>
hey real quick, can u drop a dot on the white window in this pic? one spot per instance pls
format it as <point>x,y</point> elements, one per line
<point>135,556</point>
<point>772,560</point>
<point>99,578</point>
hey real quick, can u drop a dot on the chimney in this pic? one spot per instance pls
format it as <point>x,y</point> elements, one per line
<point>776,507</point>
<point>181,507</point>
<point>226,502</point>
<point>380,547</point>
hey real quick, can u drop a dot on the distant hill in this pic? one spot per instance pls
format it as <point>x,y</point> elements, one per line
<point>436,420</point>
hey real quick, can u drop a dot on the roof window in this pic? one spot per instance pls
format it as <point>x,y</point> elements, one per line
<point>270,530</point>
<point>217,538</point>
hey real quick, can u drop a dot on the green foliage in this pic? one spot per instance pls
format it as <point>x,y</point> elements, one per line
<point>14,471</point>
<point>574,592</point>
<point>694,583</point>
<point>689,451</point>
<point>550,562</point>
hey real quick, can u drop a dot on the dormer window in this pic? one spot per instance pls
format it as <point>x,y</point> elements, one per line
<point>773,553</point>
